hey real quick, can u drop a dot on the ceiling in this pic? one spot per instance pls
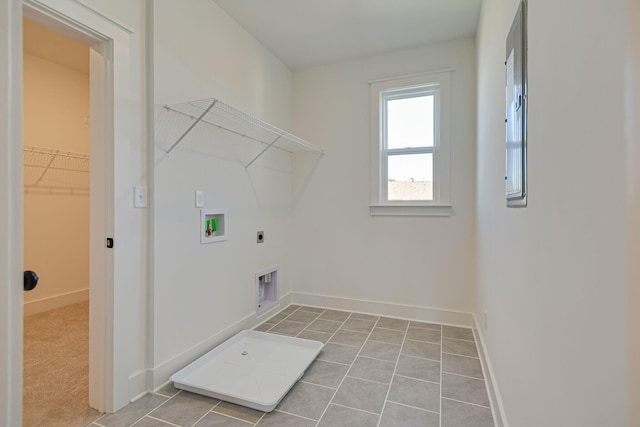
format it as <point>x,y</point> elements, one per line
<point>304,33</point>
<point>47,44</point>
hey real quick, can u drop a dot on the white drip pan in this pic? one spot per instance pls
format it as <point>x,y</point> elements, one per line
<point>253,369</point>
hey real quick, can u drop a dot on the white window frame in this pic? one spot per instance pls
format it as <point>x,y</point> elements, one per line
<point>439,85</point>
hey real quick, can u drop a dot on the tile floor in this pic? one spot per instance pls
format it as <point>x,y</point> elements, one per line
<point>373,371</point>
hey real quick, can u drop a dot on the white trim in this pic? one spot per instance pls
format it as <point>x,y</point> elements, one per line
<point>11,213</point>
<point>441,145</point>
<point>411,210</point>
<point>411,76</point>
<point>379,308</point>
<point>497,407</point>
<point>55,301</point>
<point>161,373</point>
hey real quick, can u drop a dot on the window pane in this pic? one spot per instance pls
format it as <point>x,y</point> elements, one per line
<point>410,122</point>
<point>410,177</point>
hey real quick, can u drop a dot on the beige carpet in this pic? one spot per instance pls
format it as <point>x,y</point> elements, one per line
<point>56,368</point>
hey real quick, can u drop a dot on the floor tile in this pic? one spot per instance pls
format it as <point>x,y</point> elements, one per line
<point>184,408</point>
<point>338,353</point>
<point>387,335</point>
<point>276,319</point>
<point>358,325</point>
<point>290,309</point>
<point>216,420</point>
<point>381,350</point>
<point>433,326</point>
<point>288,328</point>
<point>263,328</point>
<point>395,415</point>
<point>302,316</point>
<point>457,333</point>
<point>464,389</point>
<point>421,349</point>
<point>132,412</point>
<point>361,394</point>
<point>422,369</point>
<point>462,365</point>
<point>335,315</point>
<point>311,309</point>
<point>327,326</point>
<point>364,317</point>
<point>239,412</point>
<point>306,400</point>
<point>458,414</point>
<point>315,336</point>
<point>422,334</point>
<point>352,338</point>
<point>152,422</point>
<point>280,419</point>
<point>325,373</point>
<point>389,323</point>
<point>339,416</point>
<point>416,393</point>
<point>465,348</point>
<point>168,390</point>
<point>372,369</point>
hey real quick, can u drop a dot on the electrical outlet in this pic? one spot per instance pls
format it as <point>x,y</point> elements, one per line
<point>260,237</point>
<point>199,199</point>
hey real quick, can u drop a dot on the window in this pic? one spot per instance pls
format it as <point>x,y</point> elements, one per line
<point>410,145</point>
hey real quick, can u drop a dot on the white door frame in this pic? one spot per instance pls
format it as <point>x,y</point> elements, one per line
<point>11,217</point>
<point>110,89</point>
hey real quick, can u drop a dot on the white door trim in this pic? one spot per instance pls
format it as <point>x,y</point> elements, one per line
<point>11,217</point>
<point>110,88</point>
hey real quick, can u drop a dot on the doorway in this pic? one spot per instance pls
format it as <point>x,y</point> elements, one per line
<point>56,146</point>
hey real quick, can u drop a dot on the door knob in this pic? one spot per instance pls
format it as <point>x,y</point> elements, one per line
<point>30,280</point>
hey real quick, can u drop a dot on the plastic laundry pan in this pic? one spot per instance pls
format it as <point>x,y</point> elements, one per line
<point>253,369</point>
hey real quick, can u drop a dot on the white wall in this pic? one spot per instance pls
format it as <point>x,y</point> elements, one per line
<point>56,239</point>
<point>553,276</point>
<point>339,249</point>
<point>633,194</point>
<point>202,290</point>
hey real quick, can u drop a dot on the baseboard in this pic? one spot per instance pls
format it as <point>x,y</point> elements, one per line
<point>151,379</point>
<point>411,312</point>
<point>499,416</point>
<point>56,301</point>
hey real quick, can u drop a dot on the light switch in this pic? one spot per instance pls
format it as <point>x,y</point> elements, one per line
<point>199,199</point>
<point>139,196</point>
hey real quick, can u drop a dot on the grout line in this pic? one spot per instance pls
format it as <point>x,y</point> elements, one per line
<point>337,363</point>
<point>231,416</point>
<point>467,403</point>
<point>462,375</point>
<point>461,355</point>
<point>421,358</point>
<point>428,342</point>
<point>412,407</point>
<point>356,409</point>
<point>343,378</point>
<point>374,358</point>
<point>416,325</point>
<point>260,419</point>
<point>156,407</point>
<point>295,415</point>
<point>457,339</point>
<point>395,369</point>
<point>369,381</point>
<point>319,385</point>
<point>384,342</point>
<point>157,419</point>
<point>417,379</point>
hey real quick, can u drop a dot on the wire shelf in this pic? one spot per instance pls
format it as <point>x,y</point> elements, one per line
<point>55,170</point>
<point>221,116</point>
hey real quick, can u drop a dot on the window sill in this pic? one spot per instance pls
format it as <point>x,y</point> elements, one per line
<point>411,210</point>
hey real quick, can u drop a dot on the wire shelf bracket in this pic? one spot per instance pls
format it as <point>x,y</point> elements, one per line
<point>219,115</point>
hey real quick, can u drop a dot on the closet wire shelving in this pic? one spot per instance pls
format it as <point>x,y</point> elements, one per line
<point>221,116</point>
<point>55,171</point>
